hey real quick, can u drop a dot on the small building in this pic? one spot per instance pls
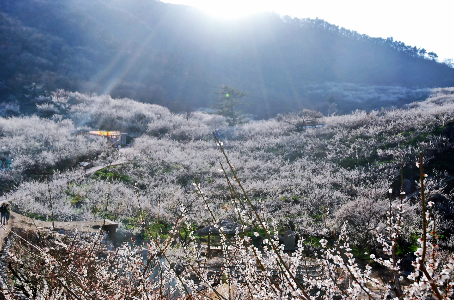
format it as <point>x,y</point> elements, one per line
<point>115,137</point>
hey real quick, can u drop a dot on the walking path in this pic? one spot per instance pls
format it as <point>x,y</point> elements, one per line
<point>95,169</point>
<point>19,221</point>
<point>124,153</point>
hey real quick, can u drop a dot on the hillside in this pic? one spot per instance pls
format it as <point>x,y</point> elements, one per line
<point>349,187</point>
<point>177,56</point>
<point>295,172</point>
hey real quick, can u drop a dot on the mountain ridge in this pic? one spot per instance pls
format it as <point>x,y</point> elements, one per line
<point>177,56</point>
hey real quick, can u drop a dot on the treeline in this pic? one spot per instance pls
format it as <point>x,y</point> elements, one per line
<point>351,34</point>
<point>177,56</point>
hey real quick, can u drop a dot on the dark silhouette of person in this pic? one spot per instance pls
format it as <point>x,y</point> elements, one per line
<point>3,211</point>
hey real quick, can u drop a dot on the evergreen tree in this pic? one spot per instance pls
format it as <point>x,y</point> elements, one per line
<point>229,99</point>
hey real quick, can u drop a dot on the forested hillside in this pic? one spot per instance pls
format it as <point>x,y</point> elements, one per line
<point>177,57</point>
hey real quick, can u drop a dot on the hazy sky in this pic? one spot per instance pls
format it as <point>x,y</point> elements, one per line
<point>425,24</point>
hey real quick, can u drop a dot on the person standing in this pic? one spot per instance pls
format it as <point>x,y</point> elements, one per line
<point>3,211</point>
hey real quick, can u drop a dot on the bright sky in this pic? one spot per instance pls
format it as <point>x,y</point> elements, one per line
<point>425,24</point>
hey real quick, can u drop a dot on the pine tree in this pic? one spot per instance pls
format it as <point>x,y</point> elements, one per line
<point>229,99</point>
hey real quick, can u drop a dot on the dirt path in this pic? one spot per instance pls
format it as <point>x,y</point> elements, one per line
<point>95,169</point>
<point>125,156</point>
<point>20,221</point>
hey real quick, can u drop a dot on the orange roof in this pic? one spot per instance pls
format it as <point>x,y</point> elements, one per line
<point>105,133</point>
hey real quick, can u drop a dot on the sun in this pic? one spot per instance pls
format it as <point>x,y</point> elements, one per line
<point>226,9</point>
